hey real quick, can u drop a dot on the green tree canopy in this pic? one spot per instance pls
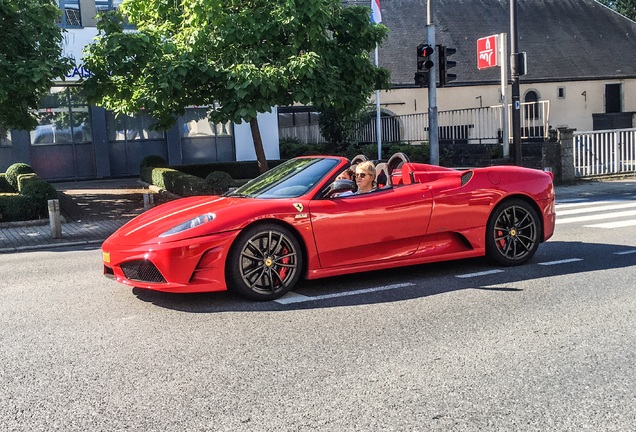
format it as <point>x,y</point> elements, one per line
<point>623,7</point>
<point>30,58</point>
<point>240,57</point>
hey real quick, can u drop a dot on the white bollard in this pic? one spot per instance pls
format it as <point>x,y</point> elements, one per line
<point>54,218</point>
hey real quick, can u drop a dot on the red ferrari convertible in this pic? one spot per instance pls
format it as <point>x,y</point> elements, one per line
<point>295,221</point>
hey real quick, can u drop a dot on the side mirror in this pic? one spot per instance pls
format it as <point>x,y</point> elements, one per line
<point>340,186</point>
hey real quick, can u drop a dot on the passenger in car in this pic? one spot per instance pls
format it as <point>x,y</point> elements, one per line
<point>365,177</point>
<point>346,175</point>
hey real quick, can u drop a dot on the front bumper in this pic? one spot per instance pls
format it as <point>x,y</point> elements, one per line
<point>185,266</point>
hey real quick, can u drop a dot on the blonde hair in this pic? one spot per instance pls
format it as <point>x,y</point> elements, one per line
<point>368,167</point>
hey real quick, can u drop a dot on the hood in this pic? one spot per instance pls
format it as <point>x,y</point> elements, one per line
<point>147,227</point>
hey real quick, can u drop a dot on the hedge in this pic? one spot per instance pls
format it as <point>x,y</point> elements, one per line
<point>28,199</point>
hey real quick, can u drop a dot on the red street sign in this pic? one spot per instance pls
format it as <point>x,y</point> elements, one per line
<point>487,49</point>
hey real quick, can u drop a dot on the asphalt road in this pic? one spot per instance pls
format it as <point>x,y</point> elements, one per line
<point>460,346</point>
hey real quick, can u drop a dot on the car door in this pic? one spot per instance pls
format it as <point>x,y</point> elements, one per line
<point>381,225</point>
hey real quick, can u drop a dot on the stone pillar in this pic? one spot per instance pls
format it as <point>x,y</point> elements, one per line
<point>566,144</point>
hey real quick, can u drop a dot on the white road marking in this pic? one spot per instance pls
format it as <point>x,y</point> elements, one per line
<point>293,297</point>
<point>595,217</point>
<point>580,203</point>
<point>596,209</point>
<point>619,224</point>
<point>477,274</point>
<point>571,200</point>
<point>563,261</point>
<point>627,252</point>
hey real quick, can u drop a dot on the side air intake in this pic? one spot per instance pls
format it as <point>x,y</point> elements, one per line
<point>466,177</point>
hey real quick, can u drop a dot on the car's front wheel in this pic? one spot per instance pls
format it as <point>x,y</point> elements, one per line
<point>513,233</point>
<point>264,263</point>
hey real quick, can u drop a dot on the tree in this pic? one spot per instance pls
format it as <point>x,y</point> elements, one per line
<point>239,57</point>
<point>30,59</point>
<point>623,7</point>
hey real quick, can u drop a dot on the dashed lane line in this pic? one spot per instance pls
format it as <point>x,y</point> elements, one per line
<point>627,252</point>
<point>563,261</point>
<point>478,274</point>
<point>293,297</point>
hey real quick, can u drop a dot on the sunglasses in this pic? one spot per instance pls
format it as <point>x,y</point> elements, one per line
<point>361,175</point>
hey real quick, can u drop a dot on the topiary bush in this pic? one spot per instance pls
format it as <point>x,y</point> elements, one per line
<point>14,207</point>
<point>148,163</point>
<point>15,170</point>
<point>219,182</point>
<point>5,187</point>
<point>178,183</point>
<point>38,191</point>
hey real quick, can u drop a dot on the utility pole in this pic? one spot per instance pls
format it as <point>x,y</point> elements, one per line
<point>433,131</point>
<point>514,71</point>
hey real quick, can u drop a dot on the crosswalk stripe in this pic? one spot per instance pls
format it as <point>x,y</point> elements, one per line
<point>596,209</point>
<point>618,224</point>
<point>614,215</point>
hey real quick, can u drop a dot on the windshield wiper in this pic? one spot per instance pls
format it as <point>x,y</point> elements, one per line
<point>237,195</point>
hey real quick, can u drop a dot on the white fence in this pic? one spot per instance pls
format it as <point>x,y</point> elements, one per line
<point>604,152</point>
<point>471,126</point>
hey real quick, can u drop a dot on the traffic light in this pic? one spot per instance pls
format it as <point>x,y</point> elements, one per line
<point>424,63</point>
<point>445,64</point>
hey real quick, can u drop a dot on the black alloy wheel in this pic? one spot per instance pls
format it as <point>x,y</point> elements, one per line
<point>513,233</point>
<point>264,263</point>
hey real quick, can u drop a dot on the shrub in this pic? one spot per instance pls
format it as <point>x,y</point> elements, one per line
<point>14,207</point>
<point>38,191</point>
<point>178,182</point>
<point>5,187</point>
<point>147,164</point>
<point>219,182</point>
<point>15,170</point>
<point>154,161</point>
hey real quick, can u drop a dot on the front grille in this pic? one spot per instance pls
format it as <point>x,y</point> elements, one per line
<point>466,177</point>
<point>142,270</point>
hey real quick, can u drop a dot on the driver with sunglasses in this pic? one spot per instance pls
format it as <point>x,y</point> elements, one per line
<point>365,177</point>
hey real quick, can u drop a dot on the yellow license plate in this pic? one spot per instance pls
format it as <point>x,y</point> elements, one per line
<point>106,256</point>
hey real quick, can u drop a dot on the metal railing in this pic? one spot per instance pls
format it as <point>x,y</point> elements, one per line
<point>470,126</point>
<point>604,152</point>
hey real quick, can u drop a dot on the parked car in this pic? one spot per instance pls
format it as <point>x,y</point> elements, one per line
<point>292,222</point>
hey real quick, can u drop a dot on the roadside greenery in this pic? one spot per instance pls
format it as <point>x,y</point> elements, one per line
<point>23,194</point>
<point>237,57</point>
<point>30,59</point>
<point>623,7</point>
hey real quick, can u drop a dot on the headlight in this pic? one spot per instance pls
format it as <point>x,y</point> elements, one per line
<point>192,223</point>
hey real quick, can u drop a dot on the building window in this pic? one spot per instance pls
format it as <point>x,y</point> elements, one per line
<point>71,16</point>
<point>126,128</point>
<point>297,116</point>
<point>64,118</point>
<point>104,5</point>
<point>195,123</point>
<point>532,109</point>
<point>561,92</point>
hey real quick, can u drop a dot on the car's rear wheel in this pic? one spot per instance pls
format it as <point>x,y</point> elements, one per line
<point>513,233</point>
<point>264,263</point>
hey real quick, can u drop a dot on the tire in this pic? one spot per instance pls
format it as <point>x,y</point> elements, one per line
<point>264,263</point>
<point>513,233</point>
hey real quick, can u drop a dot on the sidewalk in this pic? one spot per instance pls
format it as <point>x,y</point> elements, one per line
<point>93,210</point>
<point>90,212</point>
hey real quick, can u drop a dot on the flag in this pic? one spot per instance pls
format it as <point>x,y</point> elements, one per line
<point>376,14</point>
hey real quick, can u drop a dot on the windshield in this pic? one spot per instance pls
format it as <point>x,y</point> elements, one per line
<point>288,180</point>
